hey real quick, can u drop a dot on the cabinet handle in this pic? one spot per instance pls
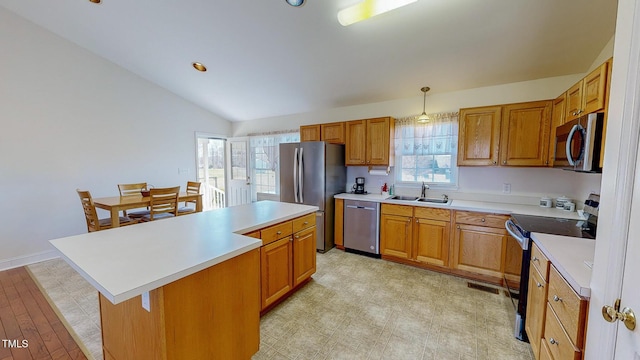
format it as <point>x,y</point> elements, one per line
<point>297,236</point>
<point>535,259</point>
<point>417,221</point>
<point>482,220</point>
<point>278,232</point>
<point>305,223</point>
<point>409,220</point>
<point>495,163</point>
<point>457,226</point>
<point>504,162</point>
<point>553,341</point>
<point>538,284</point>
<point>556,298</point>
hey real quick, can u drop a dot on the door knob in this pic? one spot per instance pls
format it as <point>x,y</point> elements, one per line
<point>612,313</point>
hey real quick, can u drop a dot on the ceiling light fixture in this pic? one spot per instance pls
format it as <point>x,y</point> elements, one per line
<point>96,1</point>
<point>424,118</point>
<point>295,3</point>
<point>198,66</point>
<point>368,9</point>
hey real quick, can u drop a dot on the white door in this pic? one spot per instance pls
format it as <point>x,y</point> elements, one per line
<point>239,171</point>
<point>210,157</point>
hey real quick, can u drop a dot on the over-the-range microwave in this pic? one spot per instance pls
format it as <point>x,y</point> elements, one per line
<point>578,144</point>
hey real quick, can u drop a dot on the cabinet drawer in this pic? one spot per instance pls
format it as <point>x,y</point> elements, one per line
<point>540,262</point>
<point>275,232</point>
<point>545,353</point>
<point>556,340</point>
<point>304,222</point>
<point>568,306</point>
<point>401,210</point>
<point>432,213</point>
<point>481,219</point>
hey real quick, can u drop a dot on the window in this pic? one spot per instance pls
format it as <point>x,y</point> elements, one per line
<point>427,151</point>
<point>265,160</point>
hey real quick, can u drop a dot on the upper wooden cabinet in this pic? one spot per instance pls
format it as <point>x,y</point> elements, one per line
<point>479,136</point>
<point>525,134</point>
<point>332,133</point>
<point>310,133</point>
<point>508,135</point>
<point>557,118</point>
<point>589,94</point>
<point>369,142</point>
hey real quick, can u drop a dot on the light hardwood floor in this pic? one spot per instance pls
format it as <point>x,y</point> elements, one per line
<point>355,308</point>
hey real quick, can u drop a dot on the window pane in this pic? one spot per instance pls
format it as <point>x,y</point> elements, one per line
<point>238,160</point>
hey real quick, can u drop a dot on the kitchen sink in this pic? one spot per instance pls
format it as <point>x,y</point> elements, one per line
<point>407,198</point>
<point>434,201</point>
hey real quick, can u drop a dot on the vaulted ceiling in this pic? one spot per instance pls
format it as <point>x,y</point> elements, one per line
<point>266,58</point>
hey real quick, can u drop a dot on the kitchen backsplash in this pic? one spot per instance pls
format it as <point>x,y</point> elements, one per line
<point>527,185</point>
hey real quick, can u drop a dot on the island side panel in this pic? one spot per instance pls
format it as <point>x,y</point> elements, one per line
<point>212,314</point>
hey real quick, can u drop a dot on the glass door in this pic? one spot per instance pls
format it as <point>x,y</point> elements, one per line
<point>211,167</point>
<point>239,189</point>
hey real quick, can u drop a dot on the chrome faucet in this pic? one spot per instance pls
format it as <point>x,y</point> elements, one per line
<point>423,192</point>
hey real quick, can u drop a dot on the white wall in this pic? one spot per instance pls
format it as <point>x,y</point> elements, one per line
<point>70,120</point>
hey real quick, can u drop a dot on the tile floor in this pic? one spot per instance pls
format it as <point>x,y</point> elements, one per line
<point>355,308</point>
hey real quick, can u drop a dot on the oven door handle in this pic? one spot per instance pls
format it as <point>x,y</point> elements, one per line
<point>511,229</point>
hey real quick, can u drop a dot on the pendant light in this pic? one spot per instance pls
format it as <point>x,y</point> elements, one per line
<point>424,118</point>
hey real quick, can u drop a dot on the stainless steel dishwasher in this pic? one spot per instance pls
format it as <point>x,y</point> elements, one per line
<point>361,227</point>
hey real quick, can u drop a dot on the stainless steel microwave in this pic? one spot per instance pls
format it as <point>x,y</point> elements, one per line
<point>578,144</point>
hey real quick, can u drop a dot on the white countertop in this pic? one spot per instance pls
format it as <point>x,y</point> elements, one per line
<point>568,255</point>
<point>468,205</point>
<point>125,262</point>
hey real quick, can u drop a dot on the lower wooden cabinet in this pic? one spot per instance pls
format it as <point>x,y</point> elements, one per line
<point>338,236</point>
<point>416,234</point>
<point>536,308</point>
<point>287,258</point>
<point>479,250</point>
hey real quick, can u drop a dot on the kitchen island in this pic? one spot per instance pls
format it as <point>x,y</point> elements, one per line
<point>180,288</point>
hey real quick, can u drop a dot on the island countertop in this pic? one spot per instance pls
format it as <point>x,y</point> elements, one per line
<point>128,261</point>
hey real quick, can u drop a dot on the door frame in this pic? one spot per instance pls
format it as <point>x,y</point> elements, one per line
<point>621,153</point>
<point>200,134</point>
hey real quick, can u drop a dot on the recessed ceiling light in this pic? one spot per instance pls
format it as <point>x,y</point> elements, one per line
<point>295,2</point>
<point>198,66</point>
<point>96,1</point>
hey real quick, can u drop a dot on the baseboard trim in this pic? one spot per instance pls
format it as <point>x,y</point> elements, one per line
<point>27,259</point>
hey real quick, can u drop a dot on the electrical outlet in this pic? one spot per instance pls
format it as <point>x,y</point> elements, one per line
<point>506,188</point>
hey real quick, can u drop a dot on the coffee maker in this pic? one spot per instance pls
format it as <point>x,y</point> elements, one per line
<point>358,188</point>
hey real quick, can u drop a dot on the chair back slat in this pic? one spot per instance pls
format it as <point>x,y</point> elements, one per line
<point>131,189</point>
<point>89,208</point>
<point>163,201</point>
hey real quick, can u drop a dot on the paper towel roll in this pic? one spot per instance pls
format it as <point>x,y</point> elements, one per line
<point>378,172</point>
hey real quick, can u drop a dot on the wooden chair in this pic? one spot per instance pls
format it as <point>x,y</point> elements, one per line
<point>193,187</point>
<point>133,190</point>
<point>163,203</point>
<point>91,215</point>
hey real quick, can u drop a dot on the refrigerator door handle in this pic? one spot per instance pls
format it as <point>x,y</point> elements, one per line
<point>300,175</point>
<point>295,175</point>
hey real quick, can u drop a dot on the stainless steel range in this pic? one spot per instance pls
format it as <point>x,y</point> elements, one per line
<point>521,226</point>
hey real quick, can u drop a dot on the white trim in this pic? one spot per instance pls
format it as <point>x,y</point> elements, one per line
<point>621,153</point>
<point>28,259</point>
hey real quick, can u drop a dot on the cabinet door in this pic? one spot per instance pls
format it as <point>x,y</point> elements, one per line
<point>557,119</point>
<point>479,136</point>
<point>310,133</point>
<point>338,236</point>
<point>332,133</point>
<point>525,134</point>
<point>276,270</point>
<point>355,144</point>
<point>431,241</point>
<point>594,90</point>
<point>378,141</point>
<point>574,102</point>
<point>395,236</point>
<point>304,255</point>
<point>536,307</point>
<point>479,250</point>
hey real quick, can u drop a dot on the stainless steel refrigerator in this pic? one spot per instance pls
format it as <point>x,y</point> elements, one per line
<point>311,173</point>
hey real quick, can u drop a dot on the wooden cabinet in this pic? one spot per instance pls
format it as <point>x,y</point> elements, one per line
<point>287,257</point>
<point>479,245</point>
<point>338,235</point>
<point>416,234</point>
<point>369,142</point>
<point>333,132</point>
<point>536,307</point>
<point>479,136</point>
<point>589,94</point>
<point>525,134</point>
<point>507,135</point>
<point>557,119</point>
<point>512,263</point>
<point>310,133</point>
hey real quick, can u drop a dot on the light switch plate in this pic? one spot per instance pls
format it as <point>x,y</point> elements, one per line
<point>146,302</point>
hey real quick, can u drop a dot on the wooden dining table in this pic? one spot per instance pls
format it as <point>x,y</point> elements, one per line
<point>115,204</point>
